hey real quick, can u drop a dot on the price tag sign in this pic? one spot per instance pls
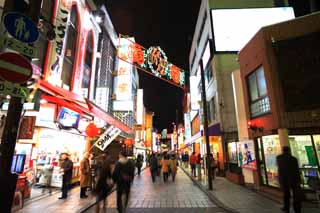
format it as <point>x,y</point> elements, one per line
<point>20,47</point>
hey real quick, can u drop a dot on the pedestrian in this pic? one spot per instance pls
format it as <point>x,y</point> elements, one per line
<point>153,162</point>
<point>193,163</point>
<point>84,175</point>
<point>104,182</point>
<point>139,163</point>
<point>289,179</point>
<point>199,162</point>
<point>123,176</point>
<point>47,175</point>
<point>165,167</point>
<point>159,164</point>
<point>66,166</point>
<point>173,162</point>
<point>185,160</point>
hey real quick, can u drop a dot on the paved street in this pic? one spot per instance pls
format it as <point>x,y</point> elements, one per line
<point>180,196</point>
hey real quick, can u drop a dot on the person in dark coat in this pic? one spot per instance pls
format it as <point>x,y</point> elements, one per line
<point>85,175</point>
<point>289,179</point>
<point>104,182</point>
<point>123,176</point>
<point>153,162</point>
<point>139,163</point>
<point>66,170</point>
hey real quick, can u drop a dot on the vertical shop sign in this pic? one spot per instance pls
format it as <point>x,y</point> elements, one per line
<point>187,125</point>
<point>57,45</point>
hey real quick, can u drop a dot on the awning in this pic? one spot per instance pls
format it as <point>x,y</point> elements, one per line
<point>79,104</point>
<point>100,113</point>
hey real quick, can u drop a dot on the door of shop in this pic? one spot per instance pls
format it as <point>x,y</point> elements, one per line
<point>261,161</point>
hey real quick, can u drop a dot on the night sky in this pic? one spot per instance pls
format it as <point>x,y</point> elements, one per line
<point>170,25</point>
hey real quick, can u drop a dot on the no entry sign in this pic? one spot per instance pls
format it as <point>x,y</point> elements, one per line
<point>15,68</point>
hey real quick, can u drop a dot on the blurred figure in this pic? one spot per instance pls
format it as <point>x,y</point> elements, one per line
<point>185,159</point>
<point>66,171</point>
<point>47,175</point>
<point>159,158</point>
<point>139,163</point>
<point>173,162</point>
<point>193,163</point>
<point>92,164</point>
<point>289,179</point>
<point>199,162</point>
<point>153,162</point>
<point>164,167</point>
<point>84,175</point>
<point>104,182</point>
<point>123,176</point>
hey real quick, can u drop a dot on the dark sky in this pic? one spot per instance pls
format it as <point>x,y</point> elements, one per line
<point>166,23</point>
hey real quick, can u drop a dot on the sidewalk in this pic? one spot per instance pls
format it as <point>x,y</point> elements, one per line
<point>238,198</point>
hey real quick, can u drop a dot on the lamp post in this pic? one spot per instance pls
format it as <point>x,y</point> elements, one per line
<point>205,126</point>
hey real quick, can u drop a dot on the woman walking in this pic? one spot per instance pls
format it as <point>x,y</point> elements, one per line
<point>164,166</point>
<point>173,167</point>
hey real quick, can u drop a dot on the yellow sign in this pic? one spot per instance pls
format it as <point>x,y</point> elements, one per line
<point>14,90</point>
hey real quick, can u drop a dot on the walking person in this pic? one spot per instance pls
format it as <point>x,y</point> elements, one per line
<point>153,162</point>
<point>173,162</point>
<point>289,179</point>
<point>92,164</point>
<point>84,175</point>
<point>193,163</point>
<point>185,160</point>
<point>165,167</point>
<point>47,174</point>
<point>123,176</point>
<point>159,164</point>
<point>104,182</point>
<point>139,163</point>
<point>199,162</point>
<point>66,171</point>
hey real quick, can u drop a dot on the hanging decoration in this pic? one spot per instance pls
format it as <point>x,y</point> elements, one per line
<point>153,60</point>
<point>92,130</point>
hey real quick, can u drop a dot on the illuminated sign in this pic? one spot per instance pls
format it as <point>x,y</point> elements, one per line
<point>153,59</point>
<point>123,80</point>
<point>139,107</point>
<point>187,125</point>
<point>107,137</point>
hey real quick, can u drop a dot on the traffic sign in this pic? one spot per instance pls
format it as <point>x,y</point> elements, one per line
<point>15,90</point>
<point>20,47</point>
<point>21,27</point>
<point>14,68</point>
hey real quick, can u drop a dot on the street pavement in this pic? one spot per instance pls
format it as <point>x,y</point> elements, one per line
<point>181,196</point>
<point>240,199</point>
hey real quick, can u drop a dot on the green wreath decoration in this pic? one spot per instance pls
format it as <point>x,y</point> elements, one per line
<point>155,72</point>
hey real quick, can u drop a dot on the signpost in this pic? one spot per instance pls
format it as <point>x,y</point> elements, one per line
<point>20,47</point>
<point>21,27</point>
<point>15,68</point>
<point>14,90</point>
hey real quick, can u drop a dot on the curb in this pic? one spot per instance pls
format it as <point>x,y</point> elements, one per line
<point>113,190</point>
<point>213,198</point>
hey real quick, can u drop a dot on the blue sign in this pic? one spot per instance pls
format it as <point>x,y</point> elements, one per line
<point>68,118</point>
<point>21,27</point>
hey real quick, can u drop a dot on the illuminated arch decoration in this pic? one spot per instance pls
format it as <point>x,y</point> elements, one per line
<point>152,60</point>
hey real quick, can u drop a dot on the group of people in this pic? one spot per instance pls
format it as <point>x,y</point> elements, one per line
<point>107,175</point>
<point>165,163</point>
<point>196,162</point>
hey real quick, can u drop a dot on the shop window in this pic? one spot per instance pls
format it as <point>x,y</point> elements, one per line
<point>208,74</point>
<point>70,49</point>
<point>232,153</point>
<point>316,139</point>
<point>87,67</point>
<point>211,109</point>
<point>259,101</point>
<point>302,149</point>
<point>271,149</point>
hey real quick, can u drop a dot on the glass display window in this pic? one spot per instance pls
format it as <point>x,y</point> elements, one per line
<point>303,149</point>
<point>316,139</point>
<point>271,149</point>
<point>232,153</point>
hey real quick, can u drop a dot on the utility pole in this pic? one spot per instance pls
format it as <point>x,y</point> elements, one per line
<point>205,126</point>
<point>8,180</point>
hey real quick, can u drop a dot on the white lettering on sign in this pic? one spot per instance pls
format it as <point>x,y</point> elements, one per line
<point>13,44</point>
<point>14,90</point>
<point>107,137</point>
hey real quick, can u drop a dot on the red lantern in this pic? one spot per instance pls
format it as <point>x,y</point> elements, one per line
<point>92,130</point>
<point>128,142</point>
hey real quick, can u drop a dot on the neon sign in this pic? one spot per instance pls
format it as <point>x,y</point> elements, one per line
<point>153,59</point>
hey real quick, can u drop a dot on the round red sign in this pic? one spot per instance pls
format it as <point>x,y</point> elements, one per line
<point>15,68</point>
